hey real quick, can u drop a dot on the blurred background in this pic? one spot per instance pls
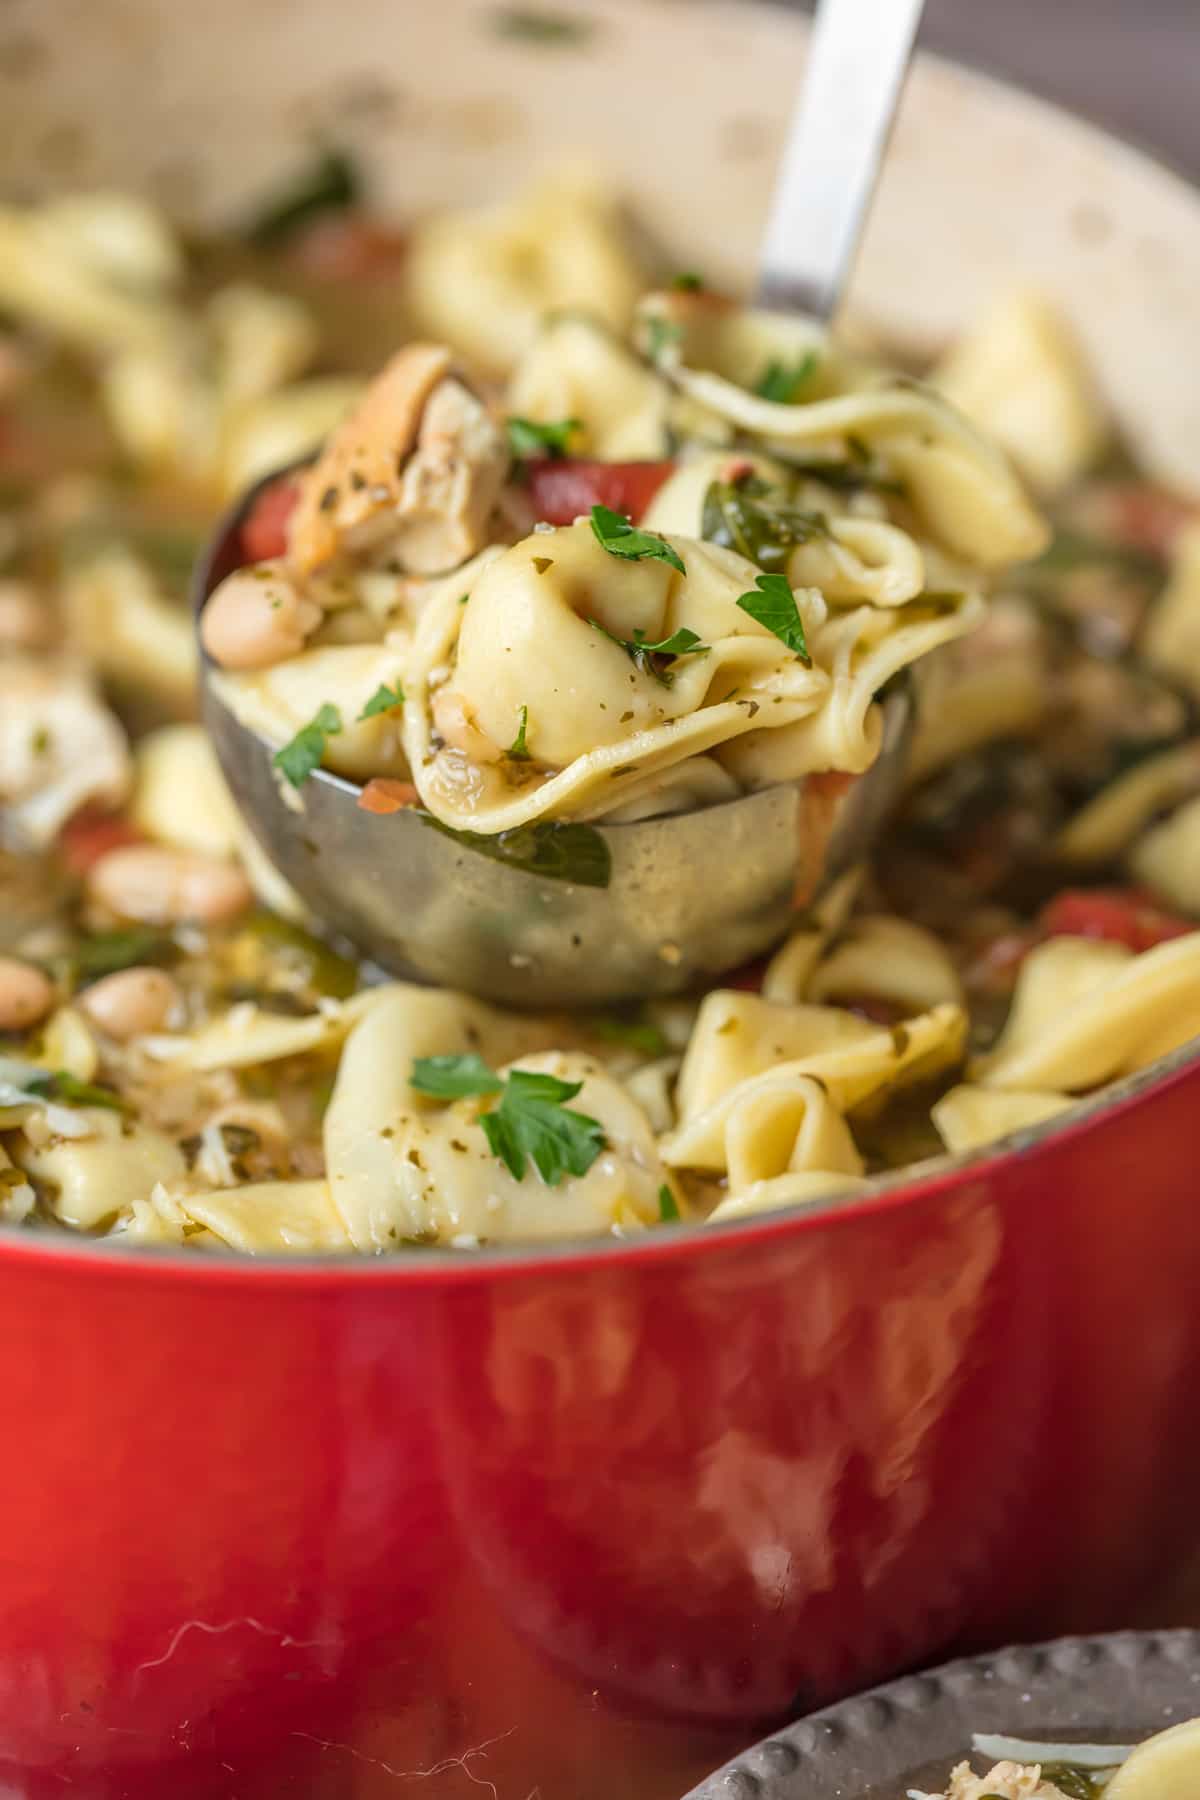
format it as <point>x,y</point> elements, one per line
<point>1133,64</point>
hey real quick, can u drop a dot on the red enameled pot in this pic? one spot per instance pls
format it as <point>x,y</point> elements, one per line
<point>572,1522</point>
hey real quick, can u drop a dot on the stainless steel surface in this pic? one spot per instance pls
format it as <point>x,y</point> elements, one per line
<point>856,65</point>
<point>688,896</point>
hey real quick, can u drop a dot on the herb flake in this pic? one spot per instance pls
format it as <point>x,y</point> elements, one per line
<point>531,1123</point>
<point>773,604</point>
<point>68,1090</point>
<point>780,381</point>
<point>616,535</point>
<point>668,1206</point>
<point>529,25</point>
<point>518,750</point>
<point>107,952</point>
<point>533,437</point>
<point>641,653</point>
<point>747,517</point>
<point>299,758</point>
<point>383,700</point>
<point>635,1034</point>
<point>453,1077</point>
<point>330,184</point>
<point>555,850</point>
<point>661,335</point>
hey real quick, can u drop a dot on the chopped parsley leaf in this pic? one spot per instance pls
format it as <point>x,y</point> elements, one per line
<point>773,604</point>
<point>781,381</point>
<point>299,758</point>
<point>660,335</point>
<point>518,750</point>
<point>452,1077</point>
<point>620,538</point>
<point>746,516</point>
<point>62,1086</point>
<point>638,1034</point>
<point>688,282</point>
<point>383,700</point>
<point>531,25</point>
<point>641,654</point>
<point>331,184</point>
<point>530,1123</point>
<point>530,437</point>
<point>668,1206</point>
<point>106,952</point>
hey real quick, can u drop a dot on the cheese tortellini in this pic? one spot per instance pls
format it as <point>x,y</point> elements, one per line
<point>575,555</point>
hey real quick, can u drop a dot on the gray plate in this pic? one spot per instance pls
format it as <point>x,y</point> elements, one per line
<point>911,1732</point>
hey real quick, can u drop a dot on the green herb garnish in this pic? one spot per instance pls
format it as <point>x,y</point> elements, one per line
<point>1075,1783</point>
<point>553,850</point>
<point>529,437</point>
<point>1070,550</point>
<point>688,282</point>
<point>781,381</point>
<point>453,1077</point>
<point>109,951</point>
<point>519,749</point>
<point>70,1091</point>
<point>668,1207</point>
<point>552,29</point>
<point>331,184</point>
<point>638,1034</point>
<point>773,604</point>
<point>383,700</point>
<point>298,759</point>
<point>744,516</point>
<point>530,1124</point>
<point>615,533</point>
<point>660,335</point>
<point>641,653</point>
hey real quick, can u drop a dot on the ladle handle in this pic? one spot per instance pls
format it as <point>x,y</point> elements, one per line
<point>858,55</point>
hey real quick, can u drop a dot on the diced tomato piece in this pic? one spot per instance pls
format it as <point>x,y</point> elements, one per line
<point>91,834</point>
<point>382,795</point>
<point>875,1009</point>
<point>1128,916</point>
<point>345,247</point>
<point>562,488</point>
<point>1148,517</point>
<point>264,533</point>
<point>749,978</point>
<point>995,969</point>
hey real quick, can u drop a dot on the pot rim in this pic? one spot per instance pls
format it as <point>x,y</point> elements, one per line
<point>229,1268</point>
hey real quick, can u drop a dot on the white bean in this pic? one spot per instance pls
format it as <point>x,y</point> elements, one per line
<point>26,994</point>
<point>257,617</point>
<point>456,724</point>
<point>167,887</point>
<point>26,621</point>
<point>131,1002</point>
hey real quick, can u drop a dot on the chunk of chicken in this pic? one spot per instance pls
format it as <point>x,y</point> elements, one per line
<point>412,475</point>
<point>59,747</point>
<point>1007,1781</point>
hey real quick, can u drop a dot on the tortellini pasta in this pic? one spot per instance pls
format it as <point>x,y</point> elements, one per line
<point>484,280</point>
<point>536,641</point>
<point>620,561</point>
<point>1020,376</point>
<point>1085,1012</point>
<point>403,1167</point>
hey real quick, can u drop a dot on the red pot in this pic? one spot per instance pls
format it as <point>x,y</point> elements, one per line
<point>571,1523</point>
<point>408,1508</point>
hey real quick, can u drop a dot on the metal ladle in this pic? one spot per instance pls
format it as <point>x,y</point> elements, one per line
<point>574,915</point>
